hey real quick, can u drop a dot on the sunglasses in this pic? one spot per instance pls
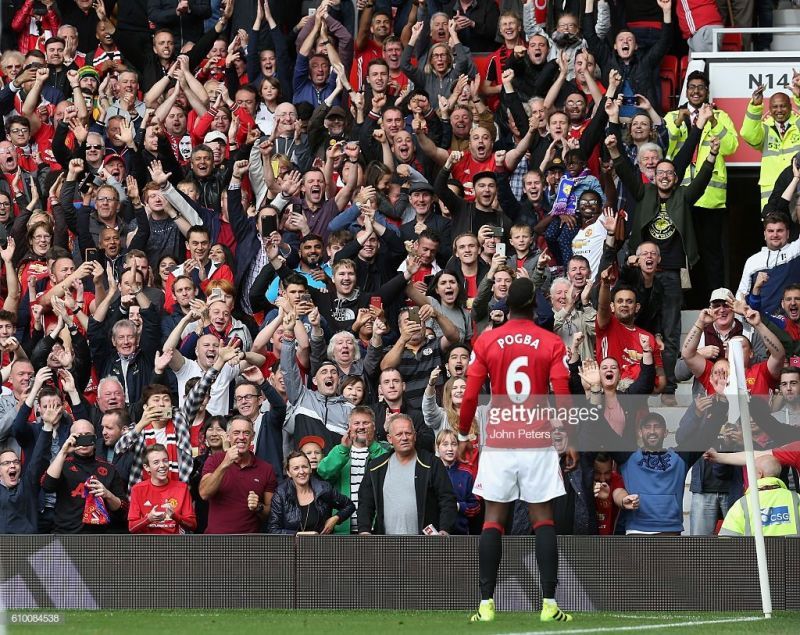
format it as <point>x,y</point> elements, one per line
<point>94,147</point>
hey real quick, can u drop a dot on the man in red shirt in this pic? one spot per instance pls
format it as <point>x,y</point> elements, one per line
<point>373,29</point>
<point>761,377</point>
<point>607,481</point>
<point>522,361</point>
<point>237,484</point>
<point>160,505</point>
<point>617,336</point>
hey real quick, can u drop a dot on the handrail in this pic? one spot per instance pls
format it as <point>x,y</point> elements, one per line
<point>765,30</point>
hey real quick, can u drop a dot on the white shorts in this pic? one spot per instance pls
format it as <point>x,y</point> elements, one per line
<point>533,476</point>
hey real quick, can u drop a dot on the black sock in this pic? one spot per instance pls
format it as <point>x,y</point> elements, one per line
<point>547,557</point>
<point>490,551</point>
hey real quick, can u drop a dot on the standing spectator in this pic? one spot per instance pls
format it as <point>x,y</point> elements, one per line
<point>304,504</point>
<point>88,490</point>
<point>663,216</point>
<point>475,22</point>
<point>183,17</point>
<point>461,479</point>
<point>405,492</point>
<point>776,136</point>
<point>709,212</point>
<point>160,505</point>
<point>773,495</point>
<point>635,66</point>
<point>346,463</point>
<point>19,484</point>
<point>237,484</point>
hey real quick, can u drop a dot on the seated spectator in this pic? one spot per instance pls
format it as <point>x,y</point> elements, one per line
<point>304,504</point>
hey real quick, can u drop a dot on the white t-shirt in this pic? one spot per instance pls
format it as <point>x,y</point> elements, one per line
<point>220,399</point>
<point>588,242</point>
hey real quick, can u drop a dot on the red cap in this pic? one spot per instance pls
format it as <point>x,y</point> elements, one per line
<point>311,439</point>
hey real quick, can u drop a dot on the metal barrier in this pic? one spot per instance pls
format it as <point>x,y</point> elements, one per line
<point>384,572</point>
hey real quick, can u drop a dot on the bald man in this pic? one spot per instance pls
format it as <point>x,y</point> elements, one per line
<point>89,490</point>
<point>780,507</point>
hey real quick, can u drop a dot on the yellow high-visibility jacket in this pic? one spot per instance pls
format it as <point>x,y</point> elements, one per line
<point>780,511</point>
<point>714,197</point>
<point>776,152</point>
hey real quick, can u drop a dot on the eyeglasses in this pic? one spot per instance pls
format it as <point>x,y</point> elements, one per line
<point>18,130</point>
<point>665,172</point>
<point>5,204</point>
<point>10,463</point>
<point>589,204</point>
<point>695,88</point>
<point>440,54</point>
<point>250,397</point>
<point>94,147</point>
<point>716,304</point>
<point>105,199</point>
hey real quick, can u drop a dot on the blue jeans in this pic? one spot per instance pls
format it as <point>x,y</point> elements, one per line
<point>671,324</point>
<point>707,508</point>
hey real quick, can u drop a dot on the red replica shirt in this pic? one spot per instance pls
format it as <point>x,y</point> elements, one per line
<point>358,73</point>
<point>622,343</point>
<point>522,360</point>
<point>606,510</point>
<point>227,509</point>
<point>146,497</point>
<point>758,378</point>
<point>788,455</point>
<point>466,169</point>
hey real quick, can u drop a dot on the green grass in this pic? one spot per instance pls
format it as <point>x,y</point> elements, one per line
<point>391,622</point>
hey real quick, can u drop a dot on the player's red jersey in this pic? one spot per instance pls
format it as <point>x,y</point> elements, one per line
<point>522,360</point>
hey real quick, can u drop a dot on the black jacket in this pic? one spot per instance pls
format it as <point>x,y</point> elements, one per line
<point>285,516</point>
<point>19,506</point>
<point>425,437</point>
<point>436,502</point>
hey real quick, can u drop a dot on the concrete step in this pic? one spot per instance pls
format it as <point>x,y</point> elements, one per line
<point>786,17</point>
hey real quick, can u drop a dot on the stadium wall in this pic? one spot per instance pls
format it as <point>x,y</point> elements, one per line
<point>281,572</point>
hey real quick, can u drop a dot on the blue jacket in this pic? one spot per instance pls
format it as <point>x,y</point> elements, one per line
<point>658,477</point>
<point>304,90</point>
<point>468,504</point>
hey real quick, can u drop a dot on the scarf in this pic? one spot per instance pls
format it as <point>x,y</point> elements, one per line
<point>149,435</point>
<point>94,508</point>
<point>566,202</point>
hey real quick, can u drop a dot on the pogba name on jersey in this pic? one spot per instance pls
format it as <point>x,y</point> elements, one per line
<point>525,339</point>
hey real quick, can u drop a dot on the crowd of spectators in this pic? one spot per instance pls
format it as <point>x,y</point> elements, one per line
<point>247,246</point>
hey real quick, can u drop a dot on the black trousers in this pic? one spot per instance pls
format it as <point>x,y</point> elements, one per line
<point>709,273</point>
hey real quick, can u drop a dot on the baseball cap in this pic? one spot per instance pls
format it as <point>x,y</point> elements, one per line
<point>112,157</point>
<point>215,135</point>
<point>555,164</point>
<point>420,186</point>
<point>720,294</point>
<point>521,294</point>
<point>335,111</point>
<point>311,438</point>
<point>486,174</point>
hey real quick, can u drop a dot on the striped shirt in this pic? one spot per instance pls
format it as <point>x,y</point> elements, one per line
<point>416,369</point>
<point>358,465</point>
